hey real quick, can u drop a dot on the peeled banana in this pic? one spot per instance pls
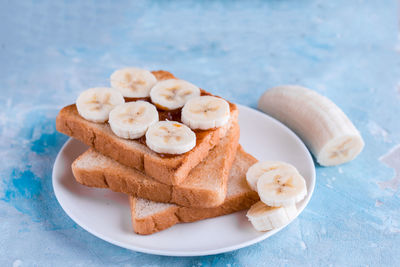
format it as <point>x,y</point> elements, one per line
<point>323,126</point>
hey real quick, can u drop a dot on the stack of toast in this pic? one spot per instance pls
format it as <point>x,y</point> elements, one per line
<point>207,181</point>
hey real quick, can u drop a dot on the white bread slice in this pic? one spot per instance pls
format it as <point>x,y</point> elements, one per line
<point>205,186</point>
<point>133,153</point>
<point>149,217</point>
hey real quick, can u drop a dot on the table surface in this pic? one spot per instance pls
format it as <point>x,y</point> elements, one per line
<point>347,50</point>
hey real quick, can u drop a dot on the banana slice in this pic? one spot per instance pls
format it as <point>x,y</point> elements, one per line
<point>95,104</point>
<point>170,137</point>
<point>133,82</point>
<point>281,188</point>
<point>323,126</point>
<point>258,169</point>
<point>205,112</point>
<point>265,218</point>
<point>131,120</point>
<point>173,94</point>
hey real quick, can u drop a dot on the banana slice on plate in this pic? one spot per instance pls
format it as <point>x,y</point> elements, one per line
<point>266,218</point>
<point>173,93</point>
<point>281,188</point>
<point>258,169</point>
<point>205,112</point>
<point>131,120</point>
<point>133,82</point>
<point>170,137</point>
<point>95,104</point>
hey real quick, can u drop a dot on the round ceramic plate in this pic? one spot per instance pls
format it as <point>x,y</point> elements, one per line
<point>106,214</point>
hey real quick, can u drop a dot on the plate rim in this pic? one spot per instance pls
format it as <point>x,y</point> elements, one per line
<point>195,252</point>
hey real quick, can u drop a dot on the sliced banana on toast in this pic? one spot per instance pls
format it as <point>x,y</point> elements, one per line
<point>170,137</point>
<point>266,218</point>
<point>205,112</point>
<point>131,120</point>
<point>258,169</point>
<point>95,104</point>
<point>281,188</point>
<point>133,82</point>
<point>173,93</point>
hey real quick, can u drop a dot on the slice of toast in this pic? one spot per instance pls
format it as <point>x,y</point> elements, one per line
<point>149,217</point>
<point>134,153</point>
<point>205,185</point>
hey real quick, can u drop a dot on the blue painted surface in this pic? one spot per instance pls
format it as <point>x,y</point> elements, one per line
<point>347,50</point>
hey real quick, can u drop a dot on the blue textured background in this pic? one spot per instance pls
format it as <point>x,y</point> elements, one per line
<point>347,50</point>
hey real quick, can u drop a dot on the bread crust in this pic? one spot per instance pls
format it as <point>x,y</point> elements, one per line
<point>178,214</point>
<point>120,178</point>
<point>156,223</point>
<point>132,153</point>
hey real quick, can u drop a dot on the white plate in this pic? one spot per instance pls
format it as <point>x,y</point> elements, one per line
<point>106,214</point>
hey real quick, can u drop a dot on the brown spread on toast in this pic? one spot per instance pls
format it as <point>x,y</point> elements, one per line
<point>171,115</point>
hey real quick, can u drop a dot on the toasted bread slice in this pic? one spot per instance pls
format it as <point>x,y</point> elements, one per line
<point>135,154</point>
<point>205,185</point>
<point>149,217</point>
